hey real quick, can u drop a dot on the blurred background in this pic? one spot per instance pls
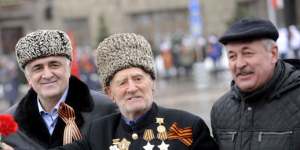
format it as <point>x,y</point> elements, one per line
<point>191,64</point>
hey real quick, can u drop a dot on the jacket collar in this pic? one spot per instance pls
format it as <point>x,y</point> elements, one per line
<point>30,121</point>
<point>284,79</point>
<point>264,91</point>
<point>144,121</point>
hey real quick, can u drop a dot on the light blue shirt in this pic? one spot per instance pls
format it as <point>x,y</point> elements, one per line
<point>50,118</point>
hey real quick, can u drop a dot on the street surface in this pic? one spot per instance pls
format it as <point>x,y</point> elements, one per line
<point>195,94</point>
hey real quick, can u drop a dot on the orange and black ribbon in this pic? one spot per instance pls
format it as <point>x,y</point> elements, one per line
<point>71,132</point>
<point>182,134</point>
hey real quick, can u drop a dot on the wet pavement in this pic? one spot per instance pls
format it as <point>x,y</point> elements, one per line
<point>195,94</point>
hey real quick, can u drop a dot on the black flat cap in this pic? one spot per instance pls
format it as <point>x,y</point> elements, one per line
<point>249,29</point>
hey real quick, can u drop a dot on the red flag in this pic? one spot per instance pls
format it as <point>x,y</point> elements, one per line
<point>277,4</point>
<point>75,67</point>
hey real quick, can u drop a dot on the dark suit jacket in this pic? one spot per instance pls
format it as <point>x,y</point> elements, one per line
<point>33,133</point>
<point>102,131</point>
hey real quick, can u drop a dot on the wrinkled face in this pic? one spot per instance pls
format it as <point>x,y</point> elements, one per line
<point>251,63</point>
<point>132,90</point>
<point>49,76</point>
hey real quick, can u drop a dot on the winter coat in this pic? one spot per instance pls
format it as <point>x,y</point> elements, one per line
<point>103,132</point>
<point>33,133</point>
<point>267,119</point>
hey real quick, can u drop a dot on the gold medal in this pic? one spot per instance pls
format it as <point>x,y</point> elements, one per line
<point>160,120</point>
<point>148,136</point>
<point>161,128</point>
<point>116,141</point>
<point>124,144</point>
<point>162,132</point>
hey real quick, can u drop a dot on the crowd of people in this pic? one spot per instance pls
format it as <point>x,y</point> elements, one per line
<point>289,42</point>
<point>260,111</point>
<point>9,79</point>
<point>179,53</point>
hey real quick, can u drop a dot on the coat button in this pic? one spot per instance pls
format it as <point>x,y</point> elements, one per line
<point>134,136</point>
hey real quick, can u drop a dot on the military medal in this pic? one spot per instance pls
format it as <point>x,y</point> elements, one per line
<point>162,134</point>
<point>160,127</point>
<point>120,145</point>
<point>115,143</point>
<point>114,147</point>
<point>163,146</point>
<point>124,144</point>
<point>148,136</point>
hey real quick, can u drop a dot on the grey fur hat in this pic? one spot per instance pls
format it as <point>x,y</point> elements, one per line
<point>121,51</point>
<point>42,43</point>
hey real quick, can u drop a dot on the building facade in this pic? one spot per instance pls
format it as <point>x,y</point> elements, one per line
<point>92,20</point>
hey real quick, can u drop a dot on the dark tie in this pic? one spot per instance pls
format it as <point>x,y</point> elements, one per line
<point>71,132</point>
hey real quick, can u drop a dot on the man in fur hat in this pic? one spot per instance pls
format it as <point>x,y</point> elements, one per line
<point>58,106</point>
<point>125,63</point>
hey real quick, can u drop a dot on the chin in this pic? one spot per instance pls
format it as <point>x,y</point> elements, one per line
<point>51,94</point>
<point>136,108</point>
<point>246,89</point>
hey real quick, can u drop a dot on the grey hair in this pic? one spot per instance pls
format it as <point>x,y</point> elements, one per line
<point>268,43</point>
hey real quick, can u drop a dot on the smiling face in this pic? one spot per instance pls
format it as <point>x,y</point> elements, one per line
<point>252,63</point>
<point>49,76</point>
<point>132,90</point>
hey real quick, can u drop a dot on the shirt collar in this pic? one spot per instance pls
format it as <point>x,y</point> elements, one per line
<point>55,108</point>
<point>133,122</point>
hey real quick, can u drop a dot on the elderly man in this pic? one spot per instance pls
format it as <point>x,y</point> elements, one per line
<point>261,111</point>
<point>125,63</point>
<point>58,106</point>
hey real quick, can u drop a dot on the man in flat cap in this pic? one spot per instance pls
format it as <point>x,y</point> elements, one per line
<point>261,111</point>
<point>126,66</point>
<point>58,106</point>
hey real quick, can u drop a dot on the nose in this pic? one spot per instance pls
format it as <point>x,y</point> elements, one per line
<point>240,62</point>
<point>132,87</point>
<point>47,73</point>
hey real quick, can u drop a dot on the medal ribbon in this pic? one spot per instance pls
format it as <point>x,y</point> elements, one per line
<point>148,135</point>
<point>71,131</point>
<point>182,134</point>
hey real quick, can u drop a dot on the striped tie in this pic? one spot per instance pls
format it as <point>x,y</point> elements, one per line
<point>71,132</point>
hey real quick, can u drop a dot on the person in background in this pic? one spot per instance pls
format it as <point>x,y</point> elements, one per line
<point>294,40</point>
<point>58,106</point>
<point>261,110</point>
<point>9,79</point>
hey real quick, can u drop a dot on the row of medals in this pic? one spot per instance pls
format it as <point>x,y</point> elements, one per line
<point>148,136</point>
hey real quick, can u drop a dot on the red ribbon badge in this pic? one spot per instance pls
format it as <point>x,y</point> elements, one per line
<point>182,134</point>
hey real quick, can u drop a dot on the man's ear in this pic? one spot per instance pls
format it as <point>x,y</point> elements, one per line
<point>108,92</point>
<point>153,86</point>
<point>274,53</point>
<point>27,76</point>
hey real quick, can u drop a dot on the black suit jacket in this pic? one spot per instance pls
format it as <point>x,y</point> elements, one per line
<point>102,131</point>
<point>33,133</point>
